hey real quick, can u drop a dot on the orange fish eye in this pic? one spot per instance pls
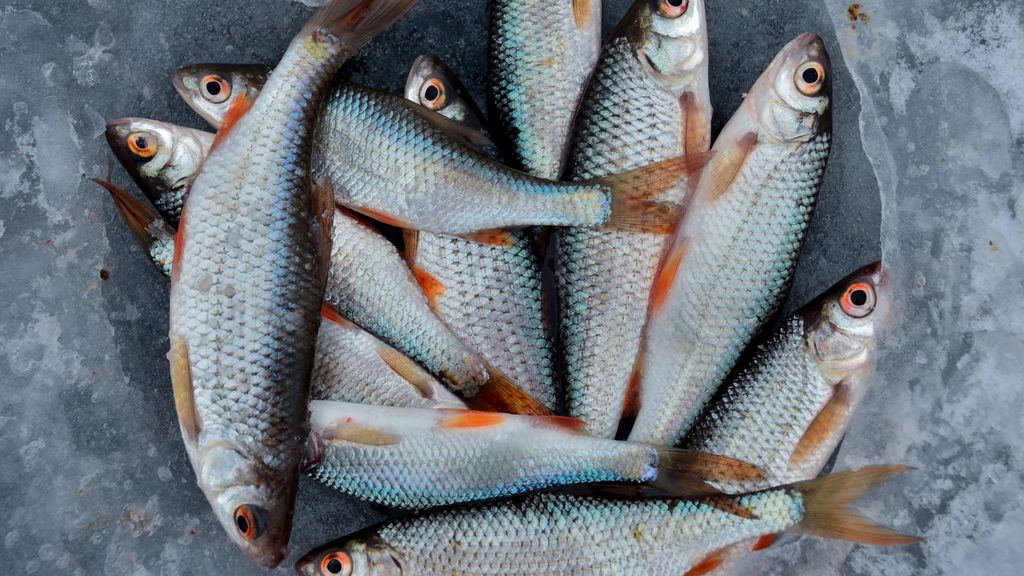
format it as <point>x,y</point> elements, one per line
<point>673,8</point>
<point>142,144</point>
<point>433,94</point>
<point>810,78</point>
<point>858,300</point>
<point>336,564</point>
<point>215,89</point>
<point>246,522</point>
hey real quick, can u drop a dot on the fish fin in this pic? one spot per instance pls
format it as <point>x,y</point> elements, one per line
<point>239,108</point>
<point>631,401</point>
<point>321,218</point>
<point>411,240</point>
<point>457,131</point>
<point>764,542</point>
<point>358,434</point>
<point>184,393</point>
<point>431,286</point>
<point>355,22</point>
<point>137,214</point>
<point>495,237</point>
<point>730,506</point>
<point>581,10</point>
<point>696,128</point>
<point>379,216</point>
<point>564,423</point>
<point>668,271</point>
<point>500,394</point>
<point>831,416</point>
<point>462,419</point>
<point>709,564</point>
<point>329,313</point>
<point>409,370</point>
<point>634,195</point>
<point>179,246</point>
<point>686,473</point>
<point>828,513</point>
<point>727,166</point>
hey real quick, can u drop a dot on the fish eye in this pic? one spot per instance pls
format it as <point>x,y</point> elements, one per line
<point>142,144</point>
<point>673,8</point>
<point>432,94</point>
<point>215,89</point>
<point>247,522</point>
<point>858,300</point>
<point>810,78</point>
<point>336,563</point>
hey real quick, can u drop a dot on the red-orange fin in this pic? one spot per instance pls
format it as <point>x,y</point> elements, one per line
<point>181,383</point>
<point>500,394</point>
<point>354,21</point>
<point>696,125</point>
<point>723,171</point>
<point>138,215</point>
<point>239,108</point>
<point>567,423</point>
<point>467,419</point>
<point>828,512</point>
<point>358,434</point>
<point>686,473</point>
<point>832,416</point>
<point>431,286</point>
<point>581,10</point>
<point>635,195</point>
<point>411,240</point>
<point>730,506</point>
<point>179,246</point>
<point>502,238</point>
<point>667,275</point>
<point>408,370</point>
<point>329,313</point>
<point>382,217</point>
<point>764,542</point>
<point>708,564</point>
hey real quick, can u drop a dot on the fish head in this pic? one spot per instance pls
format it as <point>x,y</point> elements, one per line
<point>252,501</point>
<point>211,89</point>
<point>842,326</point>
<point>793,97</point>
<point>429,84</point>
<point>670,37</point>
<point>355,556</point>
<point>158,155</point>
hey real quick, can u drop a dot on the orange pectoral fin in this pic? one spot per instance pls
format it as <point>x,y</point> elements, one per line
<point>357,434</point>
<point>581,12</point>
<point>181,382</point>
<point>832,416</point>
<point>725,168</point>
<point>408,370</point>
<point>667,275</point>
<point>463,419</point>
<point>708,564</point>
<point>764,542</point>
<point>431,286</point>
<point>502,238</point>
<point>327,312</point>
<point>567,423</point>
<point>696,128</point>
<point>239,108</point>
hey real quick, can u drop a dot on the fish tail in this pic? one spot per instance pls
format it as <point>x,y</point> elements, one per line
<point>635,195</point>
<point>355,22</point>
<point>686,473</point>
<point>500,394</point>
<point>828,512</point>
<point>142,219</point>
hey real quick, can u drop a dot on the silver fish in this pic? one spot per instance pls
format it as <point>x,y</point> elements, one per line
<point>211,89</point>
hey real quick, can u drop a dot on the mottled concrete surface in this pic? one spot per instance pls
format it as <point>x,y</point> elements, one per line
<point>929,140</point>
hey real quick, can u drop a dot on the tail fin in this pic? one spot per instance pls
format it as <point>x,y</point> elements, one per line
<point>827,507</point>
<point>145,224</point>
<point>355,22</point>
<point>686,473</point>
<point>500,394</point>
<point>634,194</point>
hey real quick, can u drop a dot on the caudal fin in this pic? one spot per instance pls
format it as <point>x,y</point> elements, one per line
<point>500,394</point>
<point>828,512</point>
<point>355,22</point>
<point>144,223</point>
<point>636,206</point>
<point>687,473</point>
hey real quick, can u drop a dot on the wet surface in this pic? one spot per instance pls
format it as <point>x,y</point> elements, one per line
<point>96,480</point>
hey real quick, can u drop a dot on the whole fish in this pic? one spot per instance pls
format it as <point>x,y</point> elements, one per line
<point>790,404</point>
<point>419,458</point>
<point>162,159</point>
<point>570,535</point>
<point>540,56</point>
<point>247,287</point>
<point>731,259</point>
<point>648,101</point>
<point>489,293</point>
<point>411,167</point>
<point>354,366</point>
<point>211,89</point>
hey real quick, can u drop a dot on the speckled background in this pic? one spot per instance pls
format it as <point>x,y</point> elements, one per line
<point>927,170</point>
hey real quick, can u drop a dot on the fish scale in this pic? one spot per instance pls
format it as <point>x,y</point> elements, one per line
<point>630,116</point>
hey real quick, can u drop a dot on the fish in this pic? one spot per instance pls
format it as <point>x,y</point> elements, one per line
<point>403,457</point>
<point>410,167</point>
<point>489,292</point>
<point>354,366</point>
<point>162,158</point>
<point>540,55</point>
<point>730,261</point>
<point>648,100</point>
<point>211,89</point>
<point>792,401</point>
<point>551,534</point>
<point>370,284</point>
<point>247,285</point>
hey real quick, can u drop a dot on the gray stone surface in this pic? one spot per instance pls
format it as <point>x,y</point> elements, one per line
<point>929,140</point>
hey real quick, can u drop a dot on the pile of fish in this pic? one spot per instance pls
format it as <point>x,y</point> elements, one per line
<point>633,408</point>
